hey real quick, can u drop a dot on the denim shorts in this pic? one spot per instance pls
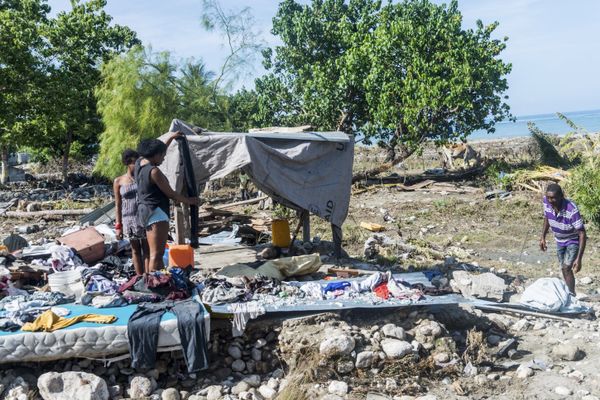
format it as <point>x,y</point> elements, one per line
<point>567,255</point>
<point>158,215</point>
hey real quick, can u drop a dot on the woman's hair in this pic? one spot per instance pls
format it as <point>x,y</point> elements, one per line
<point>151,147</point>
<point>129,156</point>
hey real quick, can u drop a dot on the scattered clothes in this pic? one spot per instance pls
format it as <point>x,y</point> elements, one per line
<point>50,322</point>
<point>312,290</point>
<point>430,274</point>
<point>143,327</point>
<point>242,313</point>
<point>333,286</point>
<point>368,284</point>
<point>62,258</point>
<point>223,238</point>
<point>133,297</point>
<point>382,291</point>
<point>102,284</point>
<point>41,299</point>
<point>104,301</point>
<point>221,291</point>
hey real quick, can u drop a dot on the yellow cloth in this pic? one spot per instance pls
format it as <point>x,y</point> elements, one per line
<point>50,322</point>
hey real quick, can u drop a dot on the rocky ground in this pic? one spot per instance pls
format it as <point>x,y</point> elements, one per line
<point>444,353</point>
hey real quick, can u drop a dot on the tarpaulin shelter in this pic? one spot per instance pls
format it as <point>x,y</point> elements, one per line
<point>306,171</point>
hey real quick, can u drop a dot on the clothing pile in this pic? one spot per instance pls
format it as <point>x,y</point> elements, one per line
<point>16,311</point>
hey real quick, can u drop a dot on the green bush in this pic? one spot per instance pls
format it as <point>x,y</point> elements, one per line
<point>583,188</point>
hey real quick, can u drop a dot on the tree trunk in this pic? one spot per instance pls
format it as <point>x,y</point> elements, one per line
<point>5,174</point>
<point>65,159</point>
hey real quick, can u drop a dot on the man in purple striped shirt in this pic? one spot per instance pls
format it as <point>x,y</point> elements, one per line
<point>562,216</point>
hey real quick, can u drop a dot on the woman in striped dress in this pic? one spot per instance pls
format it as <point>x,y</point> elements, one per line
<point>125,190</point>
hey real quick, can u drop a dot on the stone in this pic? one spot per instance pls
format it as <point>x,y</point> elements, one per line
<point>441,358</point>
<point>426,397</point>
<point>483,286</point>
<point>260,343</point>
<point>567,352</point>
<point>73,385</point>
<point>238,366</point>
<point>521,325</point>
<point>563,391</point>
<point>480,379</point>
<point>493,339</point>
<point>140,386</point>
<point>339,388</point>
<point>213,392</point>
<point>590,397</point>
<point>577,375</point>
<point>331,397</point>
<point>393,331</point>
<point>278,373</point>
<point>235,352</point>
<point>524,371</point>
<point>345,366</point>
<point>240,387</point>
<point>365,359</point>
<point>337,345</point>
<point>267,392</point>
<point>586,280</point>
<point>253,380</point>
<point>256,354</point>
<point>396,348</point>
<point>273,383</point>
<point>170,394</point>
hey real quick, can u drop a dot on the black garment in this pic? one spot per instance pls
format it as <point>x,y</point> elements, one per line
<point>142,332</point>
<point>191,187</point>
<point>149,194</point>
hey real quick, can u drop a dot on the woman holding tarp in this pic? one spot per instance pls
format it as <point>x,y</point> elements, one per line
<point>154,193</point>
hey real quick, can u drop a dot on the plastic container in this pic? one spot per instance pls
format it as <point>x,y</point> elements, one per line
<point>166,256</point>
<point>68,283</point>
<point>280,229</point>
<point>181,255</point>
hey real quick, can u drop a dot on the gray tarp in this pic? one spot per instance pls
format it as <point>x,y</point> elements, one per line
<point>310,171</point>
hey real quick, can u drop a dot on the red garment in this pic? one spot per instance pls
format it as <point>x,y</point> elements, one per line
<point>382,291</point>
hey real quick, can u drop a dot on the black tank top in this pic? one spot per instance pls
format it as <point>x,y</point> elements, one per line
<point>149,194</point>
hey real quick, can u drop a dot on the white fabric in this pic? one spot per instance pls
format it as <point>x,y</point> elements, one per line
<point>303,174</point>
<point>551,295</point>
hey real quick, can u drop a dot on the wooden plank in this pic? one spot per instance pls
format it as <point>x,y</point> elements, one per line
<point>34,214</point>
<point>240,203</point>
<point>179,226</point>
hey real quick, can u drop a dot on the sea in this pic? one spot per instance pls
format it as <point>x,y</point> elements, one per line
<point>549,123</point>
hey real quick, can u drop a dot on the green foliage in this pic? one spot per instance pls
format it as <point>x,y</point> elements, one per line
<point>398,74</point>
<point>583,188</point>
<point>498,173</point>
<point>549,155</point>
<point>22,68</point>
<point>137,101</point>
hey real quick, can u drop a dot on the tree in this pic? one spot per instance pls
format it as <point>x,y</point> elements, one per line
<point>22,71</point>
<point>137,100</point>
<point>80,40</point>
<point>397,75</point>
<point>242,41</point>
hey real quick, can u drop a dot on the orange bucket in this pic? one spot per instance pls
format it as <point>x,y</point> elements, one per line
<point>181,255</point>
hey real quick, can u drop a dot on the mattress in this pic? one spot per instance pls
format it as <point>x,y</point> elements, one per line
<point>85,339</point>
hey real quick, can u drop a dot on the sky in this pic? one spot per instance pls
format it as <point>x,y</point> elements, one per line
<point>553,44</point>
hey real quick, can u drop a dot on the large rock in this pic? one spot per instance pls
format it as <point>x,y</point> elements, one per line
<point>140,387</point>
<point>396,348</point>
<point>365,359</point>
<point>393,331</point>
<point>72,385</point>
<point>267,392</point>
<point>483,286</point>
<point>170,394</point>
<point>339,388</point>
<point>567,352</point>
<point>337,344</point>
